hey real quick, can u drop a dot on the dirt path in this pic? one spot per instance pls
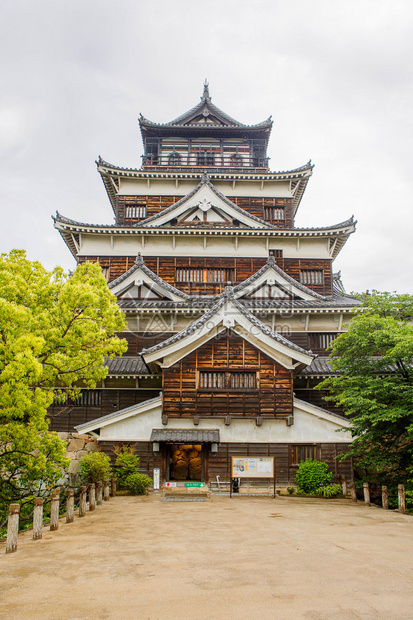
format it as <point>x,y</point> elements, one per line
<point>255,558</point>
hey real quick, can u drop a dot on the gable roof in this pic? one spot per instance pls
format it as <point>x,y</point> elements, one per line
<point>204,115</point>
<point>227,312</point>
<point>140,272</point>
<point>271,271</point>
<point>206,191</point>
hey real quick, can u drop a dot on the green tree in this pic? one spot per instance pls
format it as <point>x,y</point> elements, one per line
<point>374,384</point>
<point>55,331</point>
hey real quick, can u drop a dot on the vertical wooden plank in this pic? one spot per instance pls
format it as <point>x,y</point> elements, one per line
<point>92,497</point>
<point>54,510</point>
<point>70,506</point>
<point>366,493</point>
<point>384,498</point>
<point>402,499</point>
<point>82,501</point>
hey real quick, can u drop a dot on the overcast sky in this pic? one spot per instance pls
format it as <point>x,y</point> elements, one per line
<point>336,76</point>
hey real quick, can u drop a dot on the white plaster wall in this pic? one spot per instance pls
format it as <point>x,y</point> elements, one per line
<point>306,428</point>
<point>169,187</point>
<point>198,245</point>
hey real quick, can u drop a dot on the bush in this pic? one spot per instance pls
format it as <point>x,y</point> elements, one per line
<point>291,490</point>
<point>311,475</point>
<point>95,467</point>
<point>330,490</point>
<point>127,463</point>
<point>138,484</point>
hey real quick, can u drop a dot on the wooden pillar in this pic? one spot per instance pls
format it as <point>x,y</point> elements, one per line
<point>402,499</point>
<point>92,496</point>
<point>106,490</point>
<point>353,491</point>
<point>113,487</point>
<point>98,493</point>
<point>12,528</point>
<point>82,501</point>
<point>54,510</point>
<point>384,498</point>
<point>37,518</point>
<point>344,485</point>
<point>70,506</point>
<point>366,492</point>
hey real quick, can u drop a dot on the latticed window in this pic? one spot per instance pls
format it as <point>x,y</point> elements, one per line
<point>135,211</point>
<point>220,275</point>
<point>228,380</point>
<point>274,214</point>
<point>319,342</point>
<point>205,159</point>
<point>236,159</point>
<point>312,276</point>
<point>87,398</point>
<point>303,452</point>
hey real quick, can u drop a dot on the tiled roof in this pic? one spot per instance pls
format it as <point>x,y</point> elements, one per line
<point>320,366</point>
<point>271,264</point>
<point>139,264</point>
<point>127,366</point>
<point>223,298</point>
<point>178,435</point>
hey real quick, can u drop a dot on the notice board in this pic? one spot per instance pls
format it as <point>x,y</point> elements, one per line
<point>252,467</point>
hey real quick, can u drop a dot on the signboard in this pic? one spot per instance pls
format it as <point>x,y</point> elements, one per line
<point>156,478</point>
<point>194,484</point>
<point>171,484</point>
<point>252,467</point>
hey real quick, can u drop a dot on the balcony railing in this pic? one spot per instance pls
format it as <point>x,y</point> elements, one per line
<point>201,161</point>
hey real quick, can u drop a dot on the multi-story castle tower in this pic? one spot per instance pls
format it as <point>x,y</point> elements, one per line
<point>230,307</point>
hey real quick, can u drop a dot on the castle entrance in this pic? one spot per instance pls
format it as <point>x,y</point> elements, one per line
<point>185,463</point>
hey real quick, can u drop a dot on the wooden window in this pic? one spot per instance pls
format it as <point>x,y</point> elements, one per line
<point>274,214</point>
<point>302,452</point>
<point>276,253</point>
<point>87,398</point>
<point>135,211</point>
<point>174,159</point>
<point>205,159</point>
<point>200,274</point>
<point>319,342</point>
<point>212,380</point>
<point>228,380</point>
<point>312,276</point>
<point>236,160</point>
<point>106,273</point>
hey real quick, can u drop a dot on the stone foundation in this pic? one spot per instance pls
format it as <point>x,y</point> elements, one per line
<point>77,446</point>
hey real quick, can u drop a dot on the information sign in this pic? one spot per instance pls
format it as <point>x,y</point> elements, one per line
<point>194,484</point>
<point>252,467</point>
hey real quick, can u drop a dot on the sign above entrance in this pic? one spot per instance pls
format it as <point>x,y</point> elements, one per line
<point>252,467</point>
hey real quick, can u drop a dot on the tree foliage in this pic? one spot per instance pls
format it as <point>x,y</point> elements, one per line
<point>374,359</point>
<point>55,331</point>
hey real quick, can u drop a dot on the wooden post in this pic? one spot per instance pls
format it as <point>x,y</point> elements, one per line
<point>353,491</point>
<point>37,518</point>
<point>98,493</point>
<point>384,498</point>
<point>92,496</point>
<point>70,506</point>
<point>54,510</point>
<point>113,487</point>
<point>12,528</point>
<point>106,490</point>
<point>366,492</point>
<point>82,501</point>
<point>344,485</point>
<point>402,499</point>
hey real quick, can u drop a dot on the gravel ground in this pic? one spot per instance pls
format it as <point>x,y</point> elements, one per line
<point>240,558</point>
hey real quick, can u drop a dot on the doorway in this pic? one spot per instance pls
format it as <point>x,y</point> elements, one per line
<point>185,462</point>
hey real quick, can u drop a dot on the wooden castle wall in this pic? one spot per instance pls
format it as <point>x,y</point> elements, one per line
<point>184,397</point>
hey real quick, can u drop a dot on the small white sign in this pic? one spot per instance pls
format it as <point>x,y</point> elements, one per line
<point>156,478</point>
<point>171,484</point>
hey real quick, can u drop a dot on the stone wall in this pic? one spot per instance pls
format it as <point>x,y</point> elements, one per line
<point>77,446</point>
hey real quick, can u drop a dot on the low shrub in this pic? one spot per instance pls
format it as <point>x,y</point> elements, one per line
<point>95,467</point>
<point>291,490</point>
<point>138,484</point>
<point>311,475</point>
<point>330,490</point>
<point>127,463</point>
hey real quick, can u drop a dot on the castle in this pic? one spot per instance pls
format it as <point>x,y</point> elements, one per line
<point>229,306</point>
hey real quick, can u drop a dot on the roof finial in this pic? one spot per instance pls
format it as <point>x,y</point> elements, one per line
<point>206,96</point>
<point>139,260</point>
